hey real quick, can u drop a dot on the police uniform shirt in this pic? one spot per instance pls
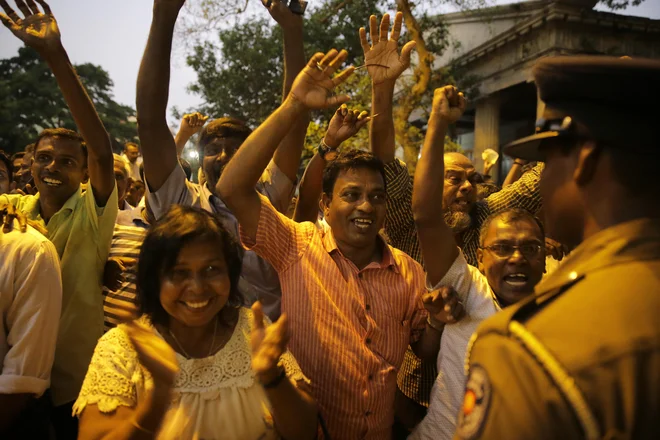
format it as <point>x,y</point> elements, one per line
<point>581,359</point>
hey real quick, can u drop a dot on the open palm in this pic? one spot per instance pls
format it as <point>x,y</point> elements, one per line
<point>345,124</point>
<point>314,84</point>
<point>382,57</point>
<point>37,30</point>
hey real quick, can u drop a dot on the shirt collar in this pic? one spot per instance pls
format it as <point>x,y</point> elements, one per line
<point>330,245</point>
<point>636,240</point>
<point>70,204</point>
<point>212,198</point>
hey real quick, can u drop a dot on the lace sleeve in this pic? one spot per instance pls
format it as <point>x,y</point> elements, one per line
<point>293,371</point>
<point>111,377</point>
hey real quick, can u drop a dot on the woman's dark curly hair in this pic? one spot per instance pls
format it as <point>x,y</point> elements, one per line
<point>178,227</point>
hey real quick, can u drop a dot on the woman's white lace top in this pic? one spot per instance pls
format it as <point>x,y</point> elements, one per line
<point>213,398</point>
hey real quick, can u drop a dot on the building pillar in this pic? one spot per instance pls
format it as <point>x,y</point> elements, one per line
<point>487,131</point>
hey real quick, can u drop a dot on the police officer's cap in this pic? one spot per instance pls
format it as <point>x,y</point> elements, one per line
<point>613,100</point>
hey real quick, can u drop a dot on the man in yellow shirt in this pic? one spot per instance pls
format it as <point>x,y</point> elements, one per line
<point>79,224</point>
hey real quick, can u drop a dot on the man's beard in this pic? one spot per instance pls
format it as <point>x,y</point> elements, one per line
<point>458,221</point>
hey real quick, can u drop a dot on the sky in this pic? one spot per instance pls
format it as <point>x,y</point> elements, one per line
<point>113,34</point>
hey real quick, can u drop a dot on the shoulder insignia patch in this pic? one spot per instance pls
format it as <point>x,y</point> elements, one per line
<point>476,402</point>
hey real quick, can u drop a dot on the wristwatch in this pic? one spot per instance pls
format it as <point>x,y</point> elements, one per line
<point>326,152</point>
<point>298,7</point>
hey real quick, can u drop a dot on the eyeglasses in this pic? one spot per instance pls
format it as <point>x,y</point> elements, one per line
<point>502,250</point>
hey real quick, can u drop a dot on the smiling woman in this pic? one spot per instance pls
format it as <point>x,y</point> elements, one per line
<point>196,364</point>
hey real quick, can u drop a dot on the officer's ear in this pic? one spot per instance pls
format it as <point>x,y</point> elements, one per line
<point>587,162</point>
<point>480,260</point>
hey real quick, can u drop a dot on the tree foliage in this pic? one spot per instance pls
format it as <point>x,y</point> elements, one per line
<point>32,101</point>
<point>617,5</point>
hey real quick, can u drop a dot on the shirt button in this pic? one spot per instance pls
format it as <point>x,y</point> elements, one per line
<point>368,341</point>
<point>360,275</point>
<point>368,413</point>
<point>573,275</point>
<point>365,394</point>
<point>371,377</point>
<point>367,307</point>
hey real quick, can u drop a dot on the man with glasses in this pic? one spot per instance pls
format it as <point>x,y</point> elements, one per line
<point>580,359</point>
<point>510,256</point>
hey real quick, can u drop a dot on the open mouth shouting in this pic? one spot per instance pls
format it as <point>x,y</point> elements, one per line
<point>516,280</point>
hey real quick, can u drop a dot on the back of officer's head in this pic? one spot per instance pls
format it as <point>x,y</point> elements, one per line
<point>601,170</point>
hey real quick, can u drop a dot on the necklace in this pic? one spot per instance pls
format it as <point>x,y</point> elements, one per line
<point>215,330</point>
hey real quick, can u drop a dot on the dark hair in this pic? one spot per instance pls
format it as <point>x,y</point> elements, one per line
<point>486,189</point>
<point>350,160</point>
<point>178,227</point>
<point>62,133</point>
<point>9,163</point>
<point>18,155</point>
<point>223,128</point>
<point>131,144</point>
<point>508,216</point>
<point>186,167</point>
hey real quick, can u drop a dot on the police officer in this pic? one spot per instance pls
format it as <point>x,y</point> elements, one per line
<point>581,358</point>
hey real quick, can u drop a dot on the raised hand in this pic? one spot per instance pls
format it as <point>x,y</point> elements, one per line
<point>344,124</point>
<point>444,305</point>
<point>282,14</point>
<point>114,269</point>
<point>192,123</point>
<point>448,104</point>
<point>37,30</point>
<point>382,57</point>
<point>313,85</point>
<point>268,344</point>
<point>8,213</point>
<point>154,354</point>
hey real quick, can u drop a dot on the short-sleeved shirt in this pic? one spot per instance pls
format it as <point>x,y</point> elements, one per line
<point>81,232</point>
<point>126,243</point>
<point>30,303</point>
<point>349,327</point>
<point>216,397</point>
<point>258,278</point>
<point>449,389</point>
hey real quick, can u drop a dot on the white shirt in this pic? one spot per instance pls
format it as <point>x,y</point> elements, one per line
<point>447,394</point>
<point>216,397</point>
<point>30,303</point>
<point>133,168</point>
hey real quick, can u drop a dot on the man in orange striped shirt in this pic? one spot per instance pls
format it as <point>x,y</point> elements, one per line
<point>354,303</point>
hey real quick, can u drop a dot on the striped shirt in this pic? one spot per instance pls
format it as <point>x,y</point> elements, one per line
<point>416,378</point>
<point>126,243</point>
<point>349,327</point>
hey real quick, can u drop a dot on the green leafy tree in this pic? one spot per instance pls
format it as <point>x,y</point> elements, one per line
<point>32,101</point>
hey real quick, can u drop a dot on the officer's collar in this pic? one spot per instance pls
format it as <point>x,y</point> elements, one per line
<point>635,240</point>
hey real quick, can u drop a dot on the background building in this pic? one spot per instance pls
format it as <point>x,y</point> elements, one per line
<point>498,47</point>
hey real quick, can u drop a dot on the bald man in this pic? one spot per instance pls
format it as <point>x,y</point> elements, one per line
<point>463,213</point>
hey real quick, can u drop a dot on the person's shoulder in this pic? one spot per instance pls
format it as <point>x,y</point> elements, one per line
<point>31,239</point>
<point>403,260</point>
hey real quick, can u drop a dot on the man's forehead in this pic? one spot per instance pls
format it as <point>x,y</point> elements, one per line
<point>361,177</point>
<point>519,229</point>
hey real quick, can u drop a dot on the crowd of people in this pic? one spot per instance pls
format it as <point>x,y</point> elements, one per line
<point>355,302</point>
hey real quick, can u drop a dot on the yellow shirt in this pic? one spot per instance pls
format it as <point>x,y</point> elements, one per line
<point>81,232</point>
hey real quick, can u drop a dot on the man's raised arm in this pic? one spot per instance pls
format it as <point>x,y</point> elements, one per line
<point>158,146</point>
<point>384,65</point>
<point>40,32</point>
<point>435,237</point>
<point>310,90</point>
<point>287,155</point>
